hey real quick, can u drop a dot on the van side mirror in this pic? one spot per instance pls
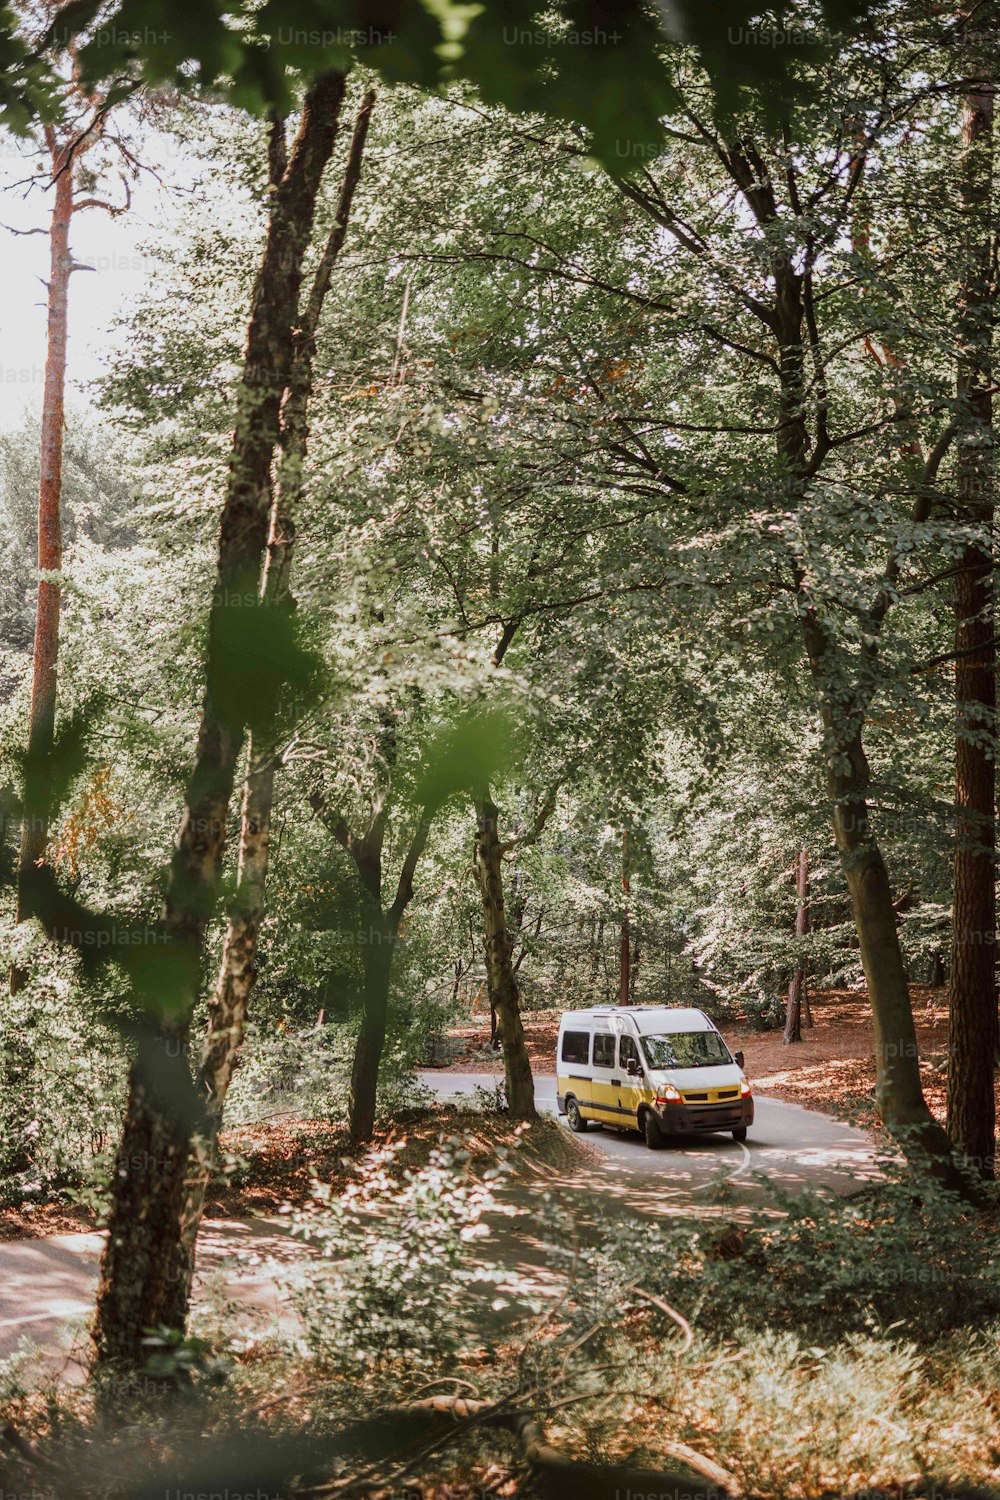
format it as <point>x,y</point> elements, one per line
<point>739,1059</point>
<point>632,1067</point>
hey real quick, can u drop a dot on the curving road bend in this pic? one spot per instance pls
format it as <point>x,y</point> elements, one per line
<point>788,1147</point>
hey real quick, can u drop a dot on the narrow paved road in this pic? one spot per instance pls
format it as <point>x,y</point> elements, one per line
<point>787,1145</point>
<point>47,1285</point>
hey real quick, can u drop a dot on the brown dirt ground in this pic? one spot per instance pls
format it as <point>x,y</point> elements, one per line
<point>273,1163</point>
<point>832,1069</point>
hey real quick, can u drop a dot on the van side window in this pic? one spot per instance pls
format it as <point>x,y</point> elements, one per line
<point>627,1051</point>
<point>604,1050</point>
<point>576,1046</point>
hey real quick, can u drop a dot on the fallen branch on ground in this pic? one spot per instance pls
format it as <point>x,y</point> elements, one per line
<point>557,1476</point>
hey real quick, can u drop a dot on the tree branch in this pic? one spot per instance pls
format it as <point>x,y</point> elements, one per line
<point>404,890</point>
<point>543,813</point>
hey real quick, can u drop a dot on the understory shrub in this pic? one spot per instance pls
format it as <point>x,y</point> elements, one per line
<point>308,1073</point>
<point>903,1254</point>
<point>63,1072</point>
<point>390,1287</point>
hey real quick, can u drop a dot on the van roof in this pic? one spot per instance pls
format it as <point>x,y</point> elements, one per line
<point>647,1018</point>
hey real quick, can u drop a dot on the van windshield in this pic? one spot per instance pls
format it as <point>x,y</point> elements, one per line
<point>686,1049</point>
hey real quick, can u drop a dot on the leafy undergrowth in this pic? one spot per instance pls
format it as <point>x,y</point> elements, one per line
<point>782,1416</point>
<point>849,1346</point>
<point>786,1418</point>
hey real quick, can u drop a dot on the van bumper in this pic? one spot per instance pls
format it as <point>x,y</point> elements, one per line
<point>689,1119</point>
<point>560,1104</point>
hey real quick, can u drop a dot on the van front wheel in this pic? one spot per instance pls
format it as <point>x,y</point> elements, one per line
<point>574,1119</point>
<point>651,1130</point>
<point>740,1133</point>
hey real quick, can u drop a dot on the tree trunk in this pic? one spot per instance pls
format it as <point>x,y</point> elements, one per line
<point>899,1095</point>
<point>377,951</point>
<point>229,1006</point>
<point>501,978</point>
<point>377,946</point>
<point>793,1010</point>
<point>797,986</point>
<point>42,714</point>
<point>377,959</point>
<point>972,1031</point>
<point>163,1111</point>
<point>624,976</point>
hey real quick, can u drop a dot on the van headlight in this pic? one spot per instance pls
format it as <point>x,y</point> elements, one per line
<point>744,1088</point>
<point>667,1094</point>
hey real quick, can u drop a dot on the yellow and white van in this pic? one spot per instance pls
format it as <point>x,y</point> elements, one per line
<point>659,1069</point>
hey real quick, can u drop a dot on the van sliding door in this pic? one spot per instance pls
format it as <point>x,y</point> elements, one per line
<point>605,1078</point>
<point>574,1069</point>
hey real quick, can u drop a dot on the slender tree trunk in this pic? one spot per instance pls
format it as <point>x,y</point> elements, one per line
<point>501,978</point>
<point>237,976</point>
<point>972,1032</point>
<point>899,1096</point>
<point>807,1013</point>
<point>797,985</point>
<point>377,943</point>
<point>42,714</point>
<point>229,1005</point>
<point>377,951</point>
<point>163,1113</point>
<point>624,951</point>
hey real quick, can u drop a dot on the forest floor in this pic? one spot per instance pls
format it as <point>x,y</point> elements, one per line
<point>274,1163</point>
<point>832,1069</point>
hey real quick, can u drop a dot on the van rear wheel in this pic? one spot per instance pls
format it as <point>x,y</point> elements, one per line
<point>651,1130</point>
<point>574,1118</point>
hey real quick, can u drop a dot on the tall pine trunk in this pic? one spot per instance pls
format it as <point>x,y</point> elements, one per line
<point>137,1289</point>
<point>42,714</point>
<point>501,979</point>
<point>625,937</point>
<point>972,1032</point>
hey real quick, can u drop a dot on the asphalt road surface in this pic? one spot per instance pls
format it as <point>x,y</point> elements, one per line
<point>787,1145</point>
